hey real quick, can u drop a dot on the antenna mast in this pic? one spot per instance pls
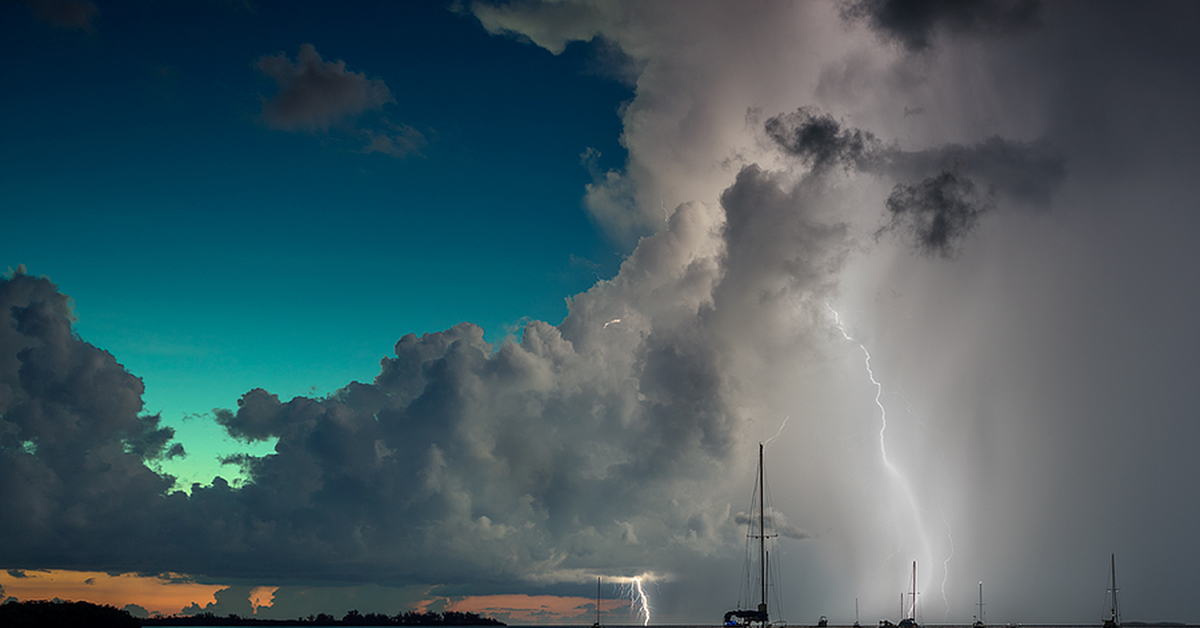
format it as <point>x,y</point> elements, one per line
<point>762,534</point>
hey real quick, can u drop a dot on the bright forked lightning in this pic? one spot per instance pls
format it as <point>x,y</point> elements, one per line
<point>638,600</point>
<point>901,482</point>
<point>837,319</point>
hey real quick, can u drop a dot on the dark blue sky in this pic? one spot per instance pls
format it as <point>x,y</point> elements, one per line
<point>214,254</point>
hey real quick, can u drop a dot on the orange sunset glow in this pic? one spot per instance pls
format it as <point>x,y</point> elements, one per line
<point>165,595</point>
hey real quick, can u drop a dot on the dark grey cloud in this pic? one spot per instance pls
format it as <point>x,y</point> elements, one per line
<point>915,24</point>
<point>136,611</point>
<point>315,94</point>
<point>74,445</point>
<point>775,522</point>
<point>821,141</point>
<point>1025,173</point>
<point>938,212</point>
<point>943,191</point>
<point>71,14</point>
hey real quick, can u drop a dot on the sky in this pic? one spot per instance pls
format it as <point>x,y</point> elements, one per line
<point>433,305</point>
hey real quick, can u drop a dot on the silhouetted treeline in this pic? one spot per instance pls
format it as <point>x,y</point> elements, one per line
<point>47,614</point>
<point>353,618</point>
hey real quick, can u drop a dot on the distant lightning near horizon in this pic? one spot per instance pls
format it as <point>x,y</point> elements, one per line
<point>638,599</point>
<point>905,488</point>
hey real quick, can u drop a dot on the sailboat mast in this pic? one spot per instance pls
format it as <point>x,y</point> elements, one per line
<point>597,600</point>
<point>981,619</point>
<point>1115,612</point>
<point>914,592</point>
<point>762,534</point>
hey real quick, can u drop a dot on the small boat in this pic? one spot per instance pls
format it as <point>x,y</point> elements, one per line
<point>756,617</point>
<point>822,622</point>
<point>979,623</point>
<point>1114,618</point>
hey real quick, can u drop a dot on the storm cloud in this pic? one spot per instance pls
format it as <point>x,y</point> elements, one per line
<point>915,24</point>
<point>1026,392</point>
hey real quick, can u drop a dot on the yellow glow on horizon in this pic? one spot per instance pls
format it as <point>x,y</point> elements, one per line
<point>153,593</point>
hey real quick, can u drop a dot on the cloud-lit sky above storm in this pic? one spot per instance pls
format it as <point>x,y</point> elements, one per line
<point>376,305</point>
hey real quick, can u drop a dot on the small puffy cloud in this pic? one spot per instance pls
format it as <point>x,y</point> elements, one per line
<point>136,611</point>
<point>397,140</point>
<point>315,94</point>
<point>937,212</point>
<point>71,14</point>
<point>820,140</point>
<point>914,24</point>
<point>549,25</point>
<point>775,522</point>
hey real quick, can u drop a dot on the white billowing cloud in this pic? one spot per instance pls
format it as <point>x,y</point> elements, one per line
<point>315,94</point>
<point>703,66</point>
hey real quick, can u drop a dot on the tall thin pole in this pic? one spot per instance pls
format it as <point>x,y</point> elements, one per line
<point>914,592</point>
<point>762,553</point>
<point>1115,613</point>
<point>981,619</point>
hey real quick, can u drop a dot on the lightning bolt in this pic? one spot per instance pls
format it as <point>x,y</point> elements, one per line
<point>905,489</point>
<point>638,601</point>
<point>781,426</point>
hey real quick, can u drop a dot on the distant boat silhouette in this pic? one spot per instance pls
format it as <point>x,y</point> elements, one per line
<point>1114,619</point>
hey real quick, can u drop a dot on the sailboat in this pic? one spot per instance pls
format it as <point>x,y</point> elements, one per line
<point>597,624</point>
<point>757,616</point>
<point>979,622</point>
<point>911,620</point>
<point>1114,619</point>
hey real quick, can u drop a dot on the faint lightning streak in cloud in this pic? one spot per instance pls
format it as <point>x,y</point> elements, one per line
<point>781,426</point>
<point>946,563</point>
<point>905,489</point>
<point>941,508</point>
